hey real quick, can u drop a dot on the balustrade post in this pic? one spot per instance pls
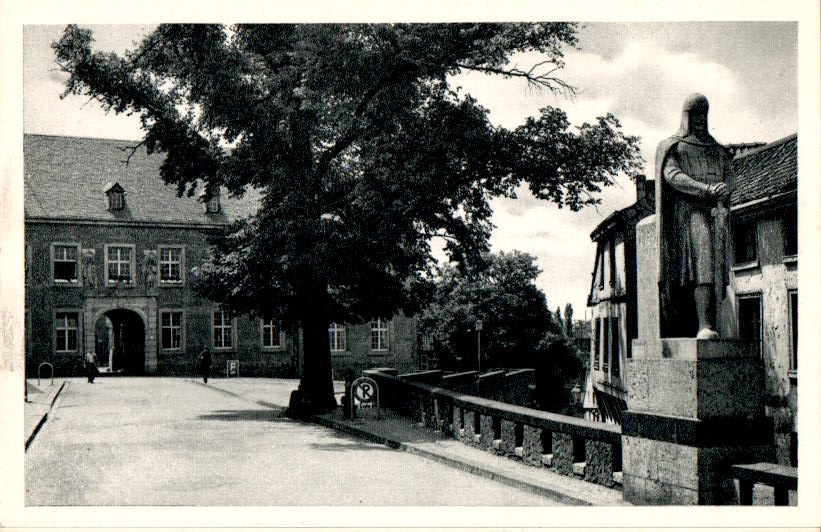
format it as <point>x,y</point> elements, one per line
<point>488,434</point>
<point>563,453</point>
<point>532,446</point>
<point>600,460</point>
<point>456,422</point>
<point>508,437</point>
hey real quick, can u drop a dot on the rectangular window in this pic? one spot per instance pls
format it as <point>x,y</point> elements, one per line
<point>223,330</point>
<point>171,264</point>
<point>271,334</point>
<point>170,329</point>
<point>596,343</point>
<point>621,271</point>
<point>119,263</point>
<point>64,264</point>
<point>615,365</point>
<point>379,335</point>
<point>337,337</point>
<point>794,330</point>
<point>67,332</point>
<point>749,319</point>
<point>744,240</point>
<point>791,232</point>
<point>606,346</point>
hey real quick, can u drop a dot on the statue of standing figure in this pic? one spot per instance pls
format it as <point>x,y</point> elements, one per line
<point>694,180</point>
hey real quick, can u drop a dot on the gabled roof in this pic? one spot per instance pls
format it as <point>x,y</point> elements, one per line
<point>767,171</point>
<point>617,220</point>
<point>65,178</point>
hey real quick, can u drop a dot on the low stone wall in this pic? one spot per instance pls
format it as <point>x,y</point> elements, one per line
<point>424,377</point>
<point>568,445</point>
<point>461,382</point>
<point>517,386</point>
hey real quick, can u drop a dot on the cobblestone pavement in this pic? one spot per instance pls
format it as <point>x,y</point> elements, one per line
<point>177,441</point>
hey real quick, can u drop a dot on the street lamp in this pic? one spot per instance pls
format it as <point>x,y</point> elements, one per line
<point>479,344</point>
<point>577,394</point>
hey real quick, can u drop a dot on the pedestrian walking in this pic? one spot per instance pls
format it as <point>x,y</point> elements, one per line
<point>91,366</point>
<point>205,363</point>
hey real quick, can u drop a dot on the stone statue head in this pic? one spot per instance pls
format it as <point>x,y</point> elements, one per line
<point>694,116</point>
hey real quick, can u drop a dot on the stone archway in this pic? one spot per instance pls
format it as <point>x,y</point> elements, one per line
<point>119,339</point>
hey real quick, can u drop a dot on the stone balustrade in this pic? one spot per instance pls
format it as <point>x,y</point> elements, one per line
<point>568,445</point>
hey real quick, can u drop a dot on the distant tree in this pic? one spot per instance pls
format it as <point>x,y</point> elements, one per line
<point>360,148</point>
<point>558,317</point>
<point>557,369</point>
<point>568,320</point>
<point>505,297</point>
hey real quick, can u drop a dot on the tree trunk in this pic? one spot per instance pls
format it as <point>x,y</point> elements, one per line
<point>316,391</point>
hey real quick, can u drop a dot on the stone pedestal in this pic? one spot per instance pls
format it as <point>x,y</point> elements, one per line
<point>695,407</point>
<point>647,284</point>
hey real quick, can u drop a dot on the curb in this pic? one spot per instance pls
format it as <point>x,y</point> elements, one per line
<point>43,419</point>
<point>449,461</point>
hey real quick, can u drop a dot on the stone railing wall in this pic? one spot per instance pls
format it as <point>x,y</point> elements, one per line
<point>461,382</point>
<point>568,445</point>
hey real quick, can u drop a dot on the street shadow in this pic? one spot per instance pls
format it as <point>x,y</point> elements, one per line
<point>350,445</point>
<point>271,415</point>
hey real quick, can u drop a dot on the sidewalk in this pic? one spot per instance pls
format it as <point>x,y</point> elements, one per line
<point>40,400</point>
<point>400,433</point>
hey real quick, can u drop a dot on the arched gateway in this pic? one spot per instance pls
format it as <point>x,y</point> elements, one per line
<point>119,341</point>
<point>122,333</point>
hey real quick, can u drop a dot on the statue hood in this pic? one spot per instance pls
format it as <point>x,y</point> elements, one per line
<point>696,102</point>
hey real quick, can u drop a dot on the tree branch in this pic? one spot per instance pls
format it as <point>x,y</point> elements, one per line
<point>538,81</point>
<point>133,150</point>
<point>347,138</point>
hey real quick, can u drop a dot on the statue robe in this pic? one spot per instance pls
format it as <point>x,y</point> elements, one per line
<point>692,228</point>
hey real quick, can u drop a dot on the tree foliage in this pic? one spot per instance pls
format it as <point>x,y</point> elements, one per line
<point>358,146</point>
<point>505,297</point>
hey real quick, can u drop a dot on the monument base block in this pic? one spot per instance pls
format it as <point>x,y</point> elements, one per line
<point>695,407</point>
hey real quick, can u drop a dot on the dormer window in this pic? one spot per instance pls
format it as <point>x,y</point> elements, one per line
<point>116,196</point>
<point>211,201</point>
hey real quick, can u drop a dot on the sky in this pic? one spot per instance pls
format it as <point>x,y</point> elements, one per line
<point>640,72</point>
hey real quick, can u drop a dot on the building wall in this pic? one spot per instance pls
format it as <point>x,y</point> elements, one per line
<point>772,278</point>
<point>146,297</point>
<point>402,352</point>
<point>91,297</point>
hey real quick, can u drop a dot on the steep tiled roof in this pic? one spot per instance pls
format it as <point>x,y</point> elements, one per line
<point>65,178</point>
<point>766,171</point>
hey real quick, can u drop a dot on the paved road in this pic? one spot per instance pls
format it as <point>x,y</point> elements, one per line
<point>166,441</point>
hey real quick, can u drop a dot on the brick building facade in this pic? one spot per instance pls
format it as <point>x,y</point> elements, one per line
<point>109,255</point>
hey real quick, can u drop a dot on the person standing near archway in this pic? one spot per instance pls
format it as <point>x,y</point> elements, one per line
<point>205,363</point>
<point>91,366</point>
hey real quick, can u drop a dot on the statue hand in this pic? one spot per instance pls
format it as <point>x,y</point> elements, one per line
<point>719,190</point>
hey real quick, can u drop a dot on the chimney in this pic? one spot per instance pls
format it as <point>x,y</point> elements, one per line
<point>641,187</point>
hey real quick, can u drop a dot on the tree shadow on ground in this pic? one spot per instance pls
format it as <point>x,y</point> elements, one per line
<point>351,444</point>
<point>390,426</point>
<point>274,415</point>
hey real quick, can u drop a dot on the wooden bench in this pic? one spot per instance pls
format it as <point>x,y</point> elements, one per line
<point>781,477</point>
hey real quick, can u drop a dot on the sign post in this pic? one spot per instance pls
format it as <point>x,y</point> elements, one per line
<point>366,391</point>
<point>232,368</point>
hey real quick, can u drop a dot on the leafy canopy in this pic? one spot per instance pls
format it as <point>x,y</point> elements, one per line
<point>514,313</point>
<point>359,148</point>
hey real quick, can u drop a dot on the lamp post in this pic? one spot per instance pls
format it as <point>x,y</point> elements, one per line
<point>479,345</point>
<point>577,393</point>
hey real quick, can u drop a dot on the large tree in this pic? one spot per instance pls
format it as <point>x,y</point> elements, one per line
<point>505,297</point>
<point>360,148</point>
